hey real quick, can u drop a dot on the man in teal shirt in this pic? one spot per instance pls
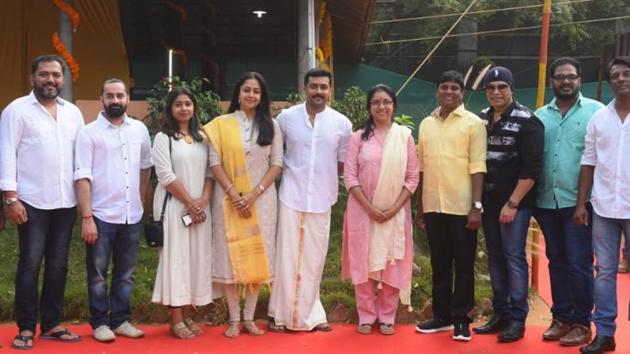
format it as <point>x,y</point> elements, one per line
<point>568,246</point>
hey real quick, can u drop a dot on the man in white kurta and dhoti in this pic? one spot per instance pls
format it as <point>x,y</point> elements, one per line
<point>316,138</point>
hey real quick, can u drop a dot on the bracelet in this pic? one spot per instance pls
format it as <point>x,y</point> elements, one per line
<point>229,188</point>
<point>261,188</point>
<point>86,217</point>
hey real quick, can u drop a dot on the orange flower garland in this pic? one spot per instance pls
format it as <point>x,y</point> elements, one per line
<point>63,51</point>
<point>75,19</point>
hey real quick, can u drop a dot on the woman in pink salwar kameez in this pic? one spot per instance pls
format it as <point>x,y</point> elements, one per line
<point>381,174</point>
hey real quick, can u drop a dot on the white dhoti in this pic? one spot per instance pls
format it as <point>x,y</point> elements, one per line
<point>301,247</point>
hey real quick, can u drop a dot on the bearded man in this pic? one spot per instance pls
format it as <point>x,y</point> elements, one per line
<point>112,169</point>
<point>37,134</point>
<point>568,246</point>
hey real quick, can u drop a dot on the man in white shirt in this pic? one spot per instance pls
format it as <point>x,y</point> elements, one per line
<point>316,138</point>
<point>113,160</point>
<point>606,169</point>
<point>37,134</point>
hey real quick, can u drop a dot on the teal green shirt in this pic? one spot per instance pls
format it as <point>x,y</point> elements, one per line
<point>564,144</point>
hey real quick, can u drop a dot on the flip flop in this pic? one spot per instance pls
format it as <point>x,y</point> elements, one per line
<point>24,339</point>
<point>59,336</point>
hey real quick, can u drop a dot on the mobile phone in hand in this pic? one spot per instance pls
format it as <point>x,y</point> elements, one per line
<point>187,220</point>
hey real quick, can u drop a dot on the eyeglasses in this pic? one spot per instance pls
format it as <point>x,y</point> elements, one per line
<point>498,87</point>
<point>560,78</point>
<point>385,103</point>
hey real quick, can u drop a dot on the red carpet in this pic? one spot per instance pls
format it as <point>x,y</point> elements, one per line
<point>342,339</point>
<point>623,295</point>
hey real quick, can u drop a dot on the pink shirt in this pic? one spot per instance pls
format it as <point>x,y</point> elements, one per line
<point>362,168</point>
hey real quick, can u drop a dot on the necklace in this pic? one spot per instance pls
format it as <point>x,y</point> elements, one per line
<point>187,137</point>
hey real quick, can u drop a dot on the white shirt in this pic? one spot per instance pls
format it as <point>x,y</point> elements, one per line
<point>310,177</point>
<point>111,158</point>
<point>607,147</point>
<point>37,152</point>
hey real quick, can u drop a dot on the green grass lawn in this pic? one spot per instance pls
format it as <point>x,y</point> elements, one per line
<point>334,291</point>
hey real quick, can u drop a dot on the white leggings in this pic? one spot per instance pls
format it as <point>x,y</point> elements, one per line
<point>234,302</point>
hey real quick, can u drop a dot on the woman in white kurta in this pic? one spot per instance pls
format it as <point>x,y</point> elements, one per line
<point>261,141</point>
<point>180,156</point>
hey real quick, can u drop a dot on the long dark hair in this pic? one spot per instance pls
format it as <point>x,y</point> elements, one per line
<point>262,118</point>
<point>169,124</point>
<point>368,126</point>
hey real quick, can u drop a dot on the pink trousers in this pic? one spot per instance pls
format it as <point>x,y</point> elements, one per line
<point>376,304</point>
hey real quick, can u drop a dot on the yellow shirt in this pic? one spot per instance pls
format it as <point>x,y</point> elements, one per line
<point>449,151</point>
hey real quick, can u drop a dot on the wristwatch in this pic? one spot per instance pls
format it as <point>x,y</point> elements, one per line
<point>477,205</point>
<point>9,201</point>
<point>510,204</point>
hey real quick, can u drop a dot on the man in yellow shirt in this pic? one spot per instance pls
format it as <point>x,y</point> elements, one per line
<point>452,159</point>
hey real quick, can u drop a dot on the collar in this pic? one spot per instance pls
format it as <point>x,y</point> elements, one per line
<point>33,99</point>
<point>554,102</point>
<point>242,116</point>
<point>611,106</point>
<point>458,112</point>
<point>506,113</point>
<point>106,123</point>
<point>316,114</point>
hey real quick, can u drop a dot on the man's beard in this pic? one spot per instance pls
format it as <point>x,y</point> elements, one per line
<point>115,110</point>
<point>47,92</point>
<point>565,96</point>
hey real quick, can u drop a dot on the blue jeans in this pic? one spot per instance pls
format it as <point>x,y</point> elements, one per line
<point>507,263</point>
<point>46,235</point>
<point>570,253</point>
<point>123,241</point>
<point>606,240</point>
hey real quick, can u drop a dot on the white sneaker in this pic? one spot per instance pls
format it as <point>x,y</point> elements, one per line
<point>126,329</point>
<point>103,334</point>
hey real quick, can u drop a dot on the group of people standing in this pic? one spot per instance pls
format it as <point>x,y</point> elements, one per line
<point>566,164</point>
<point>228,232</point>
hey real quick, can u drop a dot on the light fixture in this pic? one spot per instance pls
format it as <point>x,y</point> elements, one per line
<point>259,13</point>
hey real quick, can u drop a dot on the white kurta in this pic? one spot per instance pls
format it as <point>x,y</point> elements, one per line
<point>184,274</point>
<point>259,160</point>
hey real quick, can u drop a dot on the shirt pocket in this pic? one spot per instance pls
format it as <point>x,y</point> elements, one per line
<point>38,132</point>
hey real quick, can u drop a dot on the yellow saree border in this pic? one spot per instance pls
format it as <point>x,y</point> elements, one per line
<point>245,243</point>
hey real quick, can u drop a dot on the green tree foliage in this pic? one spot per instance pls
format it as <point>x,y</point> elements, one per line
<point>568,38</point>
<point>209,103</point>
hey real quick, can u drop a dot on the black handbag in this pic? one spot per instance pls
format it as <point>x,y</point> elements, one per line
<point>154,230</point>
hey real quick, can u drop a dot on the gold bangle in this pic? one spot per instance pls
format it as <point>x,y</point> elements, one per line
<point>229,188</point>
<point>261,188</point>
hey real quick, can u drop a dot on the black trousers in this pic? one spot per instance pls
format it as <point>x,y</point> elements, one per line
<point>45,236</point>
<point>453,247</point>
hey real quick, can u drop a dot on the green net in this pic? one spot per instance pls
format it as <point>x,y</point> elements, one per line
<point>418,99</point>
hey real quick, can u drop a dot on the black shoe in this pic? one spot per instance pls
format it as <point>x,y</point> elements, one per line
<point>461,332</point>
<point>513,332</point>
<point>495,325</point>
<point>599,345</point>
<point>434,325</point>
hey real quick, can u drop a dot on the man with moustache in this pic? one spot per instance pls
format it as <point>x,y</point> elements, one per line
<point>316,138</point>
<point>113,160</point>
<point>452,158</point>
<point>606,169</point>
<point>37,135</point>
<point>568,246</point>
<point>514,161</point>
